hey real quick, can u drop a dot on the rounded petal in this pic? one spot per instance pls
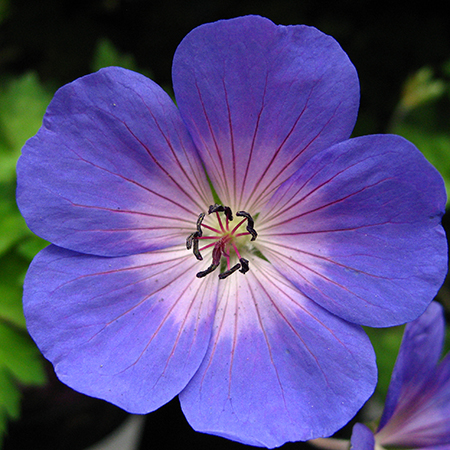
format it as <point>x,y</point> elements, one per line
<point>130,330</point>
<point>112,171</point>
<point>417,360</point>
<point>358,230</point>
<point>362,438</point>
<point>279,367</point>
<point>260,99</point>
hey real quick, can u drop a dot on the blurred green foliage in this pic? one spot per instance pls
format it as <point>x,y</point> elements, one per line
<point>22,104</point>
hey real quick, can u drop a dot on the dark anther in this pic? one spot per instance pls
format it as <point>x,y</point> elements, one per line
<point>196,250</point>
<point>228,272</point>
<point>244,264</point>
<point>220,208</point>
<point>250,223</point>
<point>199,232</point>
<point>210,269</point>
<point>190,239</point>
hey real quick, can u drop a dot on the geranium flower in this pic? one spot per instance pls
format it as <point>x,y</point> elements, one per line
<point>246,300</point>
<point>417,410</point>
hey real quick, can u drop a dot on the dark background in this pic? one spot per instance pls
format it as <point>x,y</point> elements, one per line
<point>386,41</point>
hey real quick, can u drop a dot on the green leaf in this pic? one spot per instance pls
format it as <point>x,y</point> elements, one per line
<point>9,398</point>
<point>12,225</point>
<point>20,362</point>
<point>31,246</point>
<point>19,356</point>
<point>23,102</point>
<point>421,88</point>
<point>386,343</point>
<point>107,55</point>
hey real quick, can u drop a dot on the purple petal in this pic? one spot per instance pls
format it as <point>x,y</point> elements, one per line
<point>362,438</point>
<point>130,330</point>
<point>112,171</point>
<point>422,409</point>
<point>279,367</point>
<point>417,359</point>
<point>424,423</point>
<point>358,230</point>
<point>260,99</point>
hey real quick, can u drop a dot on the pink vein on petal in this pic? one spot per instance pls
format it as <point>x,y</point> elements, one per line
<point>155,160</point>
<point>324,183</point>
<point>221,179</point>
<point>194,185</point>
<point>320,275</point>
<point>216,340</point>
<point>230,124</point>
<point>277,151</point>
<point>252,147</point>
<point>289,323</point>
<point>133,182</point>
<point>255,303</point>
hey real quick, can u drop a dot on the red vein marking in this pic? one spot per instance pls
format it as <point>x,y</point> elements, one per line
<point>288,322</point>
<point>155,160</point>
<point>137,184</point>
<point>252,147</point>
<point>266,338</point>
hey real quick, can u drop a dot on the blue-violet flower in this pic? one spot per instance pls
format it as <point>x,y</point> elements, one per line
<point>417,410</point>
<point>247,298</point>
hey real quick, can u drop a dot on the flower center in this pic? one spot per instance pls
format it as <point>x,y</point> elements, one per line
<point>227,239</point>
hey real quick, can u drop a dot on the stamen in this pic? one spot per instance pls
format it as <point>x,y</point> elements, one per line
<point>210,269</point>
<point>201,216</point>
<point>220,208</point>
<point>228,272</point>
<point>189,240</point>
<point>192,239</point>
<point>244,264</point>
<point>250,223</point>
<point>197,251</point>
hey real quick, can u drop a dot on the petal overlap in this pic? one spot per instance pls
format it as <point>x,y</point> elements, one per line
<point>261,99</point>
<point>275,358</point>
<point>358,230</point>
<point>131,330</point>
<point>113,167</point>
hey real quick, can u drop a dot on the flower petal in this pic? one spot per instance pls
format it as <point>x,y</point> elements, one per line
<point>362,438</point>
<point>112,171</point>
<point>417,359</point>
<point>357,229</point>
<point>418,404</point>
<point>422,421</point>
<point>279,367</point>
<point>130,330</point>
<point>260,99</point>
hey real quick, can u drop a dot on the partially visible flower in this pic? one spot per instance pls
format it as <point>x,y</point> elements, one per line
<point>417,410</point>
<point>257,327</point>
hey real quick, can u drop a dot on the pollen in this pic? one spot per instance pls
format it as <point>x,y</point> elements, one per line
<point>226,236</point>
